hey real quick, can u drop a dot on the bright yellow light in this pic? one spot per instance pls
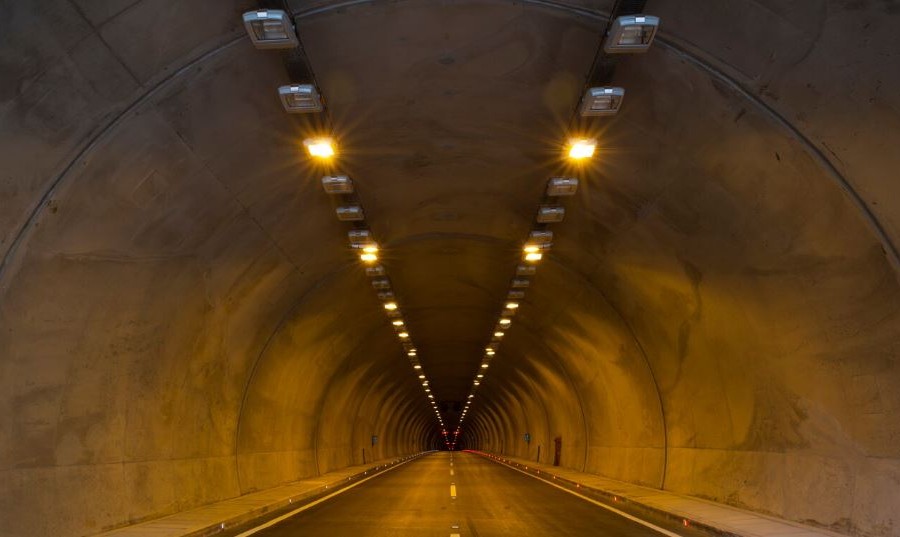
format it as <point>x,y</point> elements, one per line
<point>398,322</point>
<point>512,305</point>
<point>490,353</point>
<point>582,148</point>
<point>530,249</point>
<point>505,322</point>
<point>390,306</point>
<point>480,376</point>
<point>403,335</point>
<point>485,366</point>
<point>412,353</point>
<point>370,249</point>
<point>498,334</point>
<point>368,257</point>
<point>421,376</point>
<point>534,256</point>
<point>319,147</point>
<point>417,366</point>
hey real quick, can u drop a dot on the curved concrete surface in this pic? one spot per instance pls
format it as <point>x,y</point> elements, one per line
<point>181,320</point>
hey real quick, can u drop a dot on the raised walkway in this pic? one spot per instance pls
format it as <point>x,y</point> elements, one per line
<point>715,517</point>
<point>217,517</point>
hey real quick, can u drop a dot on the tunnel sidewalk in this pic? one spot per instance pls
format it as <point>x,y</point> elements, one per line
<point>719,518</point>
<point>214,518</point>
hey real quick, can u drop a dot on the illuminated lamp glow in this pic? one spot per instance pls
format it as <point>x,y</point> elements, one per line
<point>368,257</point>
<point>505,322</point>
<point>403,335</point>
<point>582,148</point>
<point>512,305</point>
<point>322,148</point>
<point>498,334</point>
<point>390,306</point>
<point>397,322</point>
<point>533,256</point>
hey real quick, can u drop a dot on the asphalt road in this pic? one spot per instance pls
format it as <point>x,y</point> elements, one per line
<point>491,500</point>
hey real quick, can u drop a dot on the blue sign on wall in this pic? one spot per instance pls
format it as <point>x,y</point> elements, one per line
<point>374,439</point>
<point>527,438</point>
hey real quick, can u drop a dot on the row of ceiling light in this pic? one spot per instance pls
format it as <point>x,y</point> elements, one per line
<point>627,34</point>
<point>539,241</point>
<point>273,29</point>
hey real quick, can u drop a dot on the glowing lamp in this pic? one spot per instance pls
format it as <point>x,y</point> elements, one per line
<point>322,148</point>
<point>581,149</point>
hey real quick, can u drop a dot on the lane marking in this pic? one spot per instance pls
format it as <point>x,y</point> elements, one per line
<point>274,521</point>
<point>632,518</point>
<point>452,490</point>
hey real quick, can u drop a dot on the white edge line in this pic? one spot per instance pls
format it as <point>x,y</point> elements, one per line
<point>317,502</point>
<point>600,504</point>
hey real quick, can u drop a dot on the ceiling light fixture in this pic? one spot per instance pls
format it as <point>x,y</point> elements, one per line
<point>562,186</point>
<point>602,101</point>
<point>631,33</point>
<point>322,148</point>
<point>337,184</point>
<point>582,148</point>
<point>350,213</point>
<point>300,99</point>
<point>270,28</point>
<point>548,214</point>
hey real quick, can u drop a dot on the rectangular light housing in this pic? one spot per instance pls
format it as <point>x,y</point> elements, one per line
<point>525,270</point>
<point>562,186</point>
<point>350,213</point>
<point>602,101</point>
<point>631,33</point>
<point>270,28</point>
<point>540,237</point>
<point>300,99</point>
<point>375,271</point>
<point>515,294</point>
<point>386,295</point>
<point>360,238</point>
<point>381,284</point>
<point>337,184</point>
<point>520,283</point>
<point>548,214</point>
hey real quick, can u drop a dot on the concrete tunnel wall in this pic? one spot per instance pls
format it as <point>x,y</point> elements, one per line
<point>181,322</point>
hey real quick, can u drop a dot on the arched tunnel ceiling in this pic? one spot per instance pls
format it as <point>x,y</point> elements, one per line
<point>177,297</point>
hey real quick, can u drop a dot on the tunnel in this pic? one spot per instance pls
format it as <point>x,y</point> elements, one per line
<point>188,315</point>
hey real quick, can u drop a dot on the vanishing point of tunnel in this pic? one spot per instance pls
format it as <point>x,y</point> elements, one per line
<point>449,267</point>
